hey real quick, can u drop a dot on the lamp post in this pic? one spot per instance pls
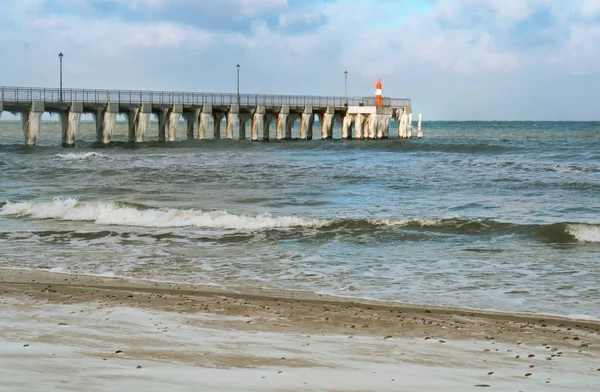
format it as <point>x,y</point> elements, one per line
<point>238,83</point>
<point>346,87</point>
<point>60,57</point>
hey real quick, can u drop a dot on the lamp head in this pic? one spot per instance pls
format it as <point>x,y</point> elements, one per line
<point>60,56</point>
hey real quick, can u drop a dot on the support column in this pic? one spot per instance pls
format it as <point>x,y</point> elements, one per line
<point>370,126</point>
<point>244,117</point>
<point>69,121</point>
<point>282,122</point>
<point>217,118</point>
<point>347,121</point>
<point>259,122</point>
<point>233,121</point>
<point>327,123</point>
<point>190,120</point>
<point>106,119</point>
<point>269,118</point>
<point>31,120</point>
<point>139,121</point>
<point>359,121</point>
<point>307,119</point>
<point>401,123</point>
<point>291,119</point>
<point>162,116</point>
<point>419,131</point>
<point>383,127</point>
<point>204,121</point>
<point>132,118</point>
<point>173,121</point>
<point>409,129</point>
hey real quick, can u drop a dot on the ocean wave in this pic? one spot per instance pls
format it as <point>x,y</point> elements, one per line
<point>121,214</point>
<point>84,156</point>
<point>138,215</point>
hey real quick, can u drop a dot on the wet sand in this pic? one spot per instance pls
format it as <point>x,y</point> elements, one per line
<point>72,332</point>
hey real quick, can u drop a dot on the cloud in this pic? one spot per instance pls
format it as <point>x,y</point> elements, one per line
<point>431,50</point>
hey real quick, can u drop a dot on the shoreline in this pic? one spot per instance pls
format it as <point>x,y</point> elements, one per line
<point>120,283</point>
<point>66,332</point>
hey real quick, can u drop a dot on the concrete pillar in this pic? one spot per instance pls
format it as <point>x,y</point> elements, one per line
<point>69,121</point>
<point>139,121</point>
<point>269,118</point>
<point>233,121</point>
<point>259,122</point>
<point>370,126</point>
<point>347,121</point>
<point>307,119</point>
<point>282,122</point>
<point>419,130</point>
<point>217,118</point>
<point>244,118</point>
<point>31,120</point>
<point>359,121</point>
<point>327,123</point>
<point>382,125</point>
<point>132,115</point>
<point>409,129</point>
<point>106,119</point>
<point>204,122</point>
<point>401,123</point>
<point>173,121</point>
<point>291,120</point>
<point>190,120</point>
<point>162,116</point>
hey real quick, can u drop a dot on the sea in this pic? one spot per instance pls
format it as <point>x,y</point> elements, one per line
<point>487,215</point>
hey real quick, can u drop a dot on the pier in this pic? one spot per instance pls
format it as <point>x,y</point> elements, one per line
<point>247,116</point>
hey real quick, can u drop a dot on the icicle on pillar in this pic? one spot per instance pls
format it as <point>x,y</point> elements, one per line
<point>233,121</point>
<point>139,121</point>
<point>327,123</point>
<point>31,122</point>
<point>282,122</point>
<point>402,123</point>
<point>419,130</point>
<point>359,121</point>
<point>410,127</point>
<point>380,126</point>
<point>259,122</point>
<point>173,121</point>
<point>347,121</point>
<point>132,120</point>
<point>69,121</point>
<point>106,119</point>
<point>307,119</point>
<point>204,119</point>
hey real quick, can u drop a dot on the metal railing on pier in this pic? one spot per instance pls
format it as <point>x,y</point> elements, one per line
<point>54,95</point>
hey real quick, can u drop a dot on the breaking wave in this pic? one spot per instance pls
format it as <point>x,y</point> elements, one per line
<point>122,214</point>
<point>127,214</point>
<point>84,156</point>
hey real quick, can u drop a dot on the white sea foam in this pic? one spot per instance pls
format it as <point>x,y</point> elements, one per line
<point>584,233</point>
<point>113,214</point>
<point>80,156</point>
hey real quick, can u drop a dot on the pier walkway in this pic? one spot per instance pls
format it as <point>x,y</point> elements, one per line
<point>203,113</point>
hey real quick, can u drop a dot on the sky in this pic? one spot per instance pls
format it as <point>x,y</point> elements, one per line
<point>456,59</point>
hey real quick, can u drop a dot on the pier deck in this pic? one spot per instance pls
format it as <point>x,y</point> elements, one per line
<point>203,113</point>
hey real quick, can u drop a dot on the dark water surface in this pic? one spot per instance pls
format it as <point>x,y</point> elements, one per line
<point>492,215</point>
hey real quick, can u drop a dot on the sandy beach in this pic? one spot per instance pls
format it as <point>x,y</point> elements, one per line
<point>73,332</point>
